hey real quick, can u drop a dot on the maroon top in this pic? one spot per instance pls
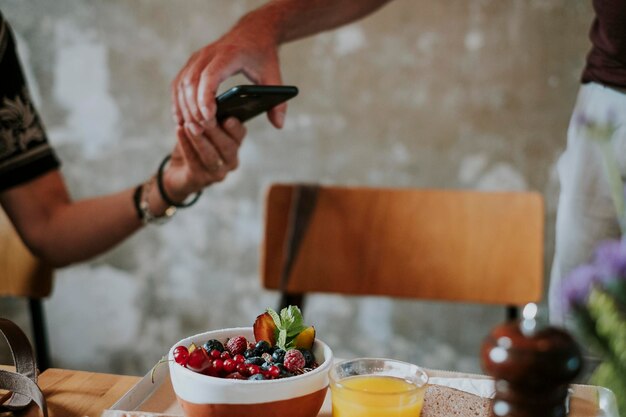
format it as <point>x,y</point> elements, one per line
<point>606,62</point>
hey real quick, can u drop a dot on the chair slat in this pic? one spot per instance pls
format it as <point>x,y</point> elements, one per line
<point>471,246</point>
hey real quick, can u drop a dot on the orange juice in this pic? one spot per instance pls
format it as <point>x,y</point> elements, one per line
<point>376,396</point>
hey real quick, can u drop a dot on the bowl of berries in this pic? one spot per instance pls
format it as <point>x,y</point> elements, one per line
<point>275,368</point>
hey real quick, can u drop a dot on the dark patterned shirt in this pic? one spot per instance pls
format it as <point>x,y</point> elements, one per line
<point>24,149</point>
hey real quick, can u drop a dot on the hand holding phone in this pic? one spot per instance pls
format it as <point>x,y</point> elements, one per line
<point>247,101</point>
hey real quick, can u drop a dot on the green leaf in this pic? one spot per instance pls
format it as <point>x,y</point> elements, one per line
<point>289,324</point>
<point>290,345</point>
<point>274,315</point>
<point>292,317</point>
<point>282,339</point>
<point>295,330</point>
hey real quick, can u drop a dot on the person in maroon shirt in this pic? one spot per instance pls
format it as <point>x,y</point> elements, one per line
<point>585,213</point>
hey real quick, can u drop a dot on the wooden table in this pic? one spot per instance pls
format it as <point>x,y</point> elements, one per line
<point>86,394</point>
<point>79,393</point>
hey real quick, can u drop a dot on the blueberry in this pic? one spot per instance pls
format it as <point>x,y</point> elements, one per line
<point>266,365</point>
<point>278,355</point>
<point>262,346</point>
<point>284,373</point>
<point>255,360</point>
<point>309,359</point>
<point>256,377</point>
<point>213,344</point>
<point>249,353</point>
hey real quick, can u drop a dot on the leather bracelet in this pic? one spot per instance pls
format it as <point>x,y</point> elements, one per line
<point>161,187</point>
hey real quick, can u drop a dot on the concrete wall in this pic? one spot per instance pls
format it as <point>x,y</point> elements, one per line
<point>453,94</point>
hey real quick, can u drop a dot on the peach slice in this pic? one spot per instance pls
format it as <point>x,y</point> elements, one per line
<point>305,339</point>
<point>265,329</point>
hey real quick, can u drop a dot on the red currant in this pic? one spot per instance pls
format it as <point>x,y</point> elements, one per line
<point>254,369</point>
<point>225,355</point>
<point>273,371</point>
<point>230,365</point>
<point>215,354</point>
<point>181,354</point>
<point>242,368</point>
<point>218,365</point>
<point>239,358</point>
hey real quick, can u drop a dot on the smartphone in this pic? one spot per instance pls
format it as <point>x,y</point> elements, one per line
<point>247,101</point>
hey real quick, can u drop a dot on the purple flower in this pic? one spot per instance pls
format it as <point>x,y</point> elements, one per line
<point>610,260</point>
<point>577,286</point>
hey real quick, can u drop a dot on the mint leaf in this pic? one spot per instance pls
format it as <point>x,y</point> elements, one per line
<point>292,316</point>
<point>274,315</point>
<point>290,345</point>
<point>289,325</point>
<point>295,330</point>
<point>282,339</point>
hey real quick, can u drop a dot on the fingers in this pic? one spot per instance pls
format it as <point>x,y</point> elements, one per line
<point>226,139</point>
<point>272,76</point>
<point>185,109</point>
<point>277,114</point>
<point>200,154</point>
<point>211,77</point>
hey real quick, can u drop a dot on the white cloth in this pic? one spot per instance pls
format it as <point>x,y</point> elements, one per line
<point>585,214</point>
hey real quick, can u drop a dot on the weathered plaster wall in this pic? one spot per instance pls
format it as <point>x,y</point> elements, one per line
<point>455,94</point>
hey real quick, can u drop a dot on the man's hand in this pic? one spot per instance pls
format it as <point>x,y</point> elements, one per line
<point>247,49</point>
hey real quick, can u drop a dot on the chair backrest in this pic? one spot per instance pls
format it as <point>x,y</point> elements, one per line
<point>470,246</point>
<point>21,273</point>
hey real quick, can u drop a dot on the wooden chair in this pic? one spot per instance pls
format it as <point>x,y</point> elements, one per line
<point>24,275</point>
<point>464,246</point>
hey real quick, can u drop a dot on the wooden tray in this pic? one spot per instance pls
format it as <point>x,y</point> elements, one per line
<point>157,399</point>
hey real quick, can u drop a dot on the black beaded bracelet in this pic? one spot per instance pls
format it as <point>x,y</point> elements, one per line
<point>161,187</point>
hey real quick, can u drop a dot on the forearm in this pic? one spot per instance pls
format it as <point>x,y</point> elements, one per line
<point>295,19</point>
<point>80,230</point>
<point>61,231</point>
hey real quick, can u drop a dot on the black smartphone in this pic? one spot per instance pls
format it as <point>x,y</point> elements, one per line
<point>247,101</point>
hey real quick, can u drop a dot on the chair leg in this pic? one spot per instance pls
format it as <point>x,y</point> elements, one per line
<point>39,333</point>
<point>288,299</point>
<point>512,312</point>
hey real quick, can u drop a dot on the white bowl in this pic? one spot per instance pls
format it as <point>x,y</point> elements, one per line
<point>205,396</point>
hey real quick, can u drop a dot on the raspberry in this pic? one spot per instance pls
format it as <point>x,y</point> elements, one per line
<point>236,345</point>
<point>294,360</point>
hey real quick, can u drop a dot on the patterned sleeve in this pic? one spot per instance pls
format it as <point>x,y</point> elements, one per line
<point>24,149</point>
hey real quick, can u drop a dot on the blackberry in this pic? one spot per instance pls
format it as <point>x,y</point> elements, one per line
<point>255,360</point>
<point>213,344</point>
<point>263,346</point>
<point>256,377</point>
<point>278,355</point>
<point>309,359</point>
